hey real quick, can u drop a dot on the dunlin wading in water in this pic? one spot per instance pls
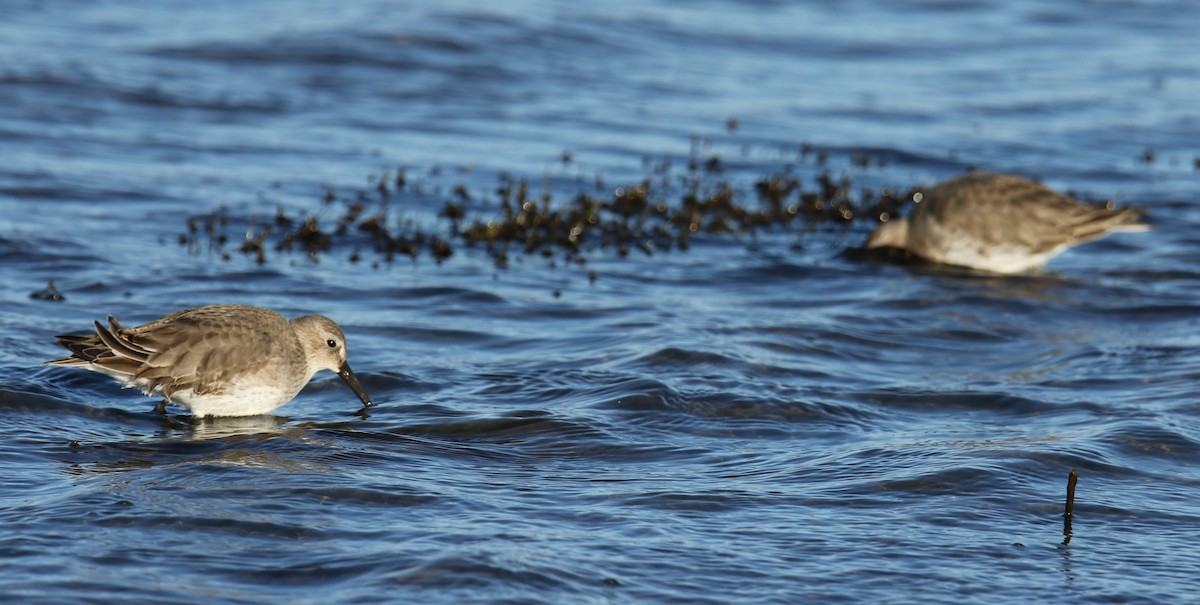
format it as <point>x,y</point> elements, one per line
<point>999,223</point>
<point>217,360</point>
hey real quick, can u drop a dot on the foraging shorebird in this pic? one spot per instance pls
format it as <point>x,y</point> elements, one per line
<point>999,223</point>
<point>218,360</point>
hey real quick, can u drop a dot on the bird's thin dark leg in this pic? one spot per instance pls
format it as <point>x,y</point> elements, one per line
<point>161,408</point>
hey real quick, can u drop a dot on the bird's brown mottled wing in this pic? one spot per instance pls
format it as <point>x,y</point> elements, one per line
<point>1003,209</point>
<point>200,349</point>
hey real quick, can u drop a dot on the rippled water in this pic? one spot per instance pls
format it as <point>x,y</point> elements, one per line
<point>758,419</point>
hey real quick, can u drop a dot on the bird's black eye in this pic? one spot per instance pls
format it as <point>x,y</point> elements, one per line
<point>332,343</point>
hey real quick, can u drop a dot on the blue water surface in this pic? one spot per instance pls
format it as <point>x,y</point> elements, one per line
<point>760,418</point>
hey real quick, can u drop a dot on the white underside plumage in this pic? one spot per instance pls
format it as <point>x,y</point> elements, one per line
<point>236,400</point>
<point>242,401</point>
<point>960,249</point>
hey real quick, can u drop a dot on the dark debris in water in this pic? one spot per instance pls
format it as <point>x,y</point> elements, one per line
<point>663,211</point>
<point>51,294</point>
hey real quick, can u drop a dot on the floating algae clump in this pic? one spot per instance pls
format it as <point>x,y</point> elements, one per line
<point>660,212</point>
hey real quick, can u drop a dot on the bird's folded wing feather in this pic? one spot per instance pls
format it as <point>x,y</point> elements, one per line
<point>1030,215</point>
<point>182,354</point>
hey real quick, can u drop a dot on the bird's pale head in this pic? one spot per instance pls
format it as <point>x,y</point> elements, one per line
<point>325,348</point>
<point>891,234</point>
<point>323,341</point>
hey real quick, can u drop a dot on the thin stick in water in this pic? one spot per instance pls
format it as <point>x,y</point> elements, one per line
<point>1069,511</point>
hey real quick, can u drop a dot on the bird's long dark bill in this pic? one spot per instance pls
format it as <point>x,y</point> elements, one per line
<point>351,380</point>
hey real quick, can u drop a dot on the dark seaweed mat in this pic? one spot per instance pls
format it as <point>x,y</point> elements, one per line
<point>661,212</point>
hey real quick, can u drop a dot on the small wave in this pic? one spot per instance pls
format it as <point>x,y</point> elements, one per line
<point>942,402</point>
<point>673,357</point>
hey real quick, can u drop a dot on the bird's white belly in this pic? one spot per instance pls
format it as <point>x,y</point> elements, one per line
<point>237,400</point>
<point>240,401</point>
<point>953,247</point>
